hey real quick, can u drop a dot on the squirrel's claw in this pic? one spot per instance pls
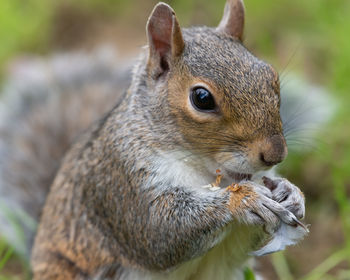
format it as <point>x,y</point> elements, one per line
<point>284,214</point>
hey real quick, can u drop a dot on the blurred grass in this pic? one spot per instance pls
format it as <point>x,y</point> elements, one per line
<point>308,37</point>
<point>23,26</point>
<point>5,253</point>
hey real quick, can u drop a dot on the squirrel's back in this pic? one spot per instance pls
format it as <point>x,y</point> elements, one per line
<point>45,105</point>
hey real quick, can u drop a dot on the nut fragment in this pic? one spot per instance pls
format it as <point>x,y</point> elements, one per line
<point>218,178</point>
<point>233,187</point>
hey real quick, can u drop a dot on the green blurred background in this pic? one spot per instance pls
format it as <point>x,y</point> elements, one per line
<point>311,38</point>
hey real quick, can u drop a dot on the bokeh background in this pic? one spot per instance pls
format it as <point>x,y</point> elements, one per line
<point>310,39</point>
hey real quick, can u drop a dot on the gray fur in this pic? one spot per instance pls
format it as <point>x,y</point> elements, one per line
<point>45,104</point>
<point>103,210</point>
<point>30,85</point>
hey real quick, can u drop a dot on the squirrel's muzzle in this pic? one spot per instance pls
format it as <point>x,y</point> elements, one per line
<point>273,150</point>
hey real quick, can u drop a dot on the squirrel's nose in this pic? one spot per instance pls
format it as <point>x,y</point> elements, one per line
<point>274,150</point>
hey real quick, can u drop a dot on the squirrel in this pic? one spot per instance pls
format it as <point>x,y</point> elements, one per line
<point>173,182</point>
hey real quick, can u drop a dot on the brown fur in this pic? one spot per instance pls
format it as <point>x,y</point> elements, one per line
<point>110,206</point>
<point>239,194</point>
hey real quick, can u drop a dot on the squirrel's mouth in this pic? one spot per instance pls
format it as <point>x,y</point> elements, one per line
<point>234,178</point>
<point>238,177</point>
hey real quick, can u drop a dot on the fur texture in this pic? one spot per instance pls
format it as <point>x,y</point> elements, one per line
<point>128,200</point>
<point>44,106</point>
<point>113,205</point>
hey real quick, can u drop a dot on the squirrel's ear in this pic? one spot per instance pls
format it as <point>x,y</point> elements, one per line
<point>165,40</point>
<point>232,22</point>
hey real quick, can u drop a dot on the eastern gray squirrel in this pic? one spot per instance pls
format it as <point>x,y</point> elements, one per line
<point>169,183</point>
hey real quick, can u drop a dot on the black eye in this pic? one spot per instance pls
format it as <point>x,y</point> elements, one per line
<point>202,99</point>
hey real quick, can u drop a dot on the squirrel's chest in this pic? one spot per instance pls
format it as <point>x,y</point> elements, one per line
<point>227,260</point>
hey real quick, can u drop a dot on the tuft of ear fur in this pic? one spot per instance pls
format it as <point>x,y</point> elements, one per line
<point>232,22</point>
<point>165,39</point>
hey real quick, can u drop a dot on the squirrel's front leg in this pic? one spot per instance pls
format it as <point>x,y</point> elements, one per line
<point>183,224</point>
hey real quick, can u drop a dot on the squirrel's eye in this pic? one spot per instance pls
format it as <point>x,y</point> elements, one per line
<point>202,99</point>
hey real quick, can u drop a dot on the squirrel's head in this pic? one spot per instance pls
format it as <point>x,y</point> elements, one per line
<point>225,101</point>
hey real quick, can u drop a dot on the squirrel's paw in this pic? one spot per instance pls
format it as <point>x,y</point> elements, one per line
<point>254,204</point>
<point>287,194</point>
<point>291,203</point>
<point>250,203</point>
